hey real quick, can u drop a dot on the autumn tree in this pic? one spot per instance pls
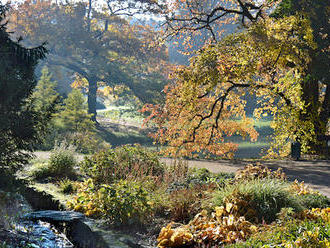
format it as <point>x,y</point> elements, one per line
<point>315,85</point>
<point>269,58</point>
<point>99,46</point>
<point>20,124</point>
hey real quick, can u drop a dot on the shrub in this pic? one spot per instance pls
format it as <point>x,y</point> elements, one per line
<point>122,202</point>
<point>201,177</point>
<point>126,202</point>
<point>258,171</point>
<point>86,141</point>
<point>40,170</point>
<point>122,163</point>
<point>315,201</point>
<point>292,233</point>
<point>61,164</point>
<point>267,197</point>
<point>67,186</point>
<point>184,204</point>
<point>62,161</point>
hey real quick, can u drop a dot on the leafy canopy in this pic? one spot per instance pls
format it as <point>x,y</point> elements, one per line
<point>96,44</point>
<point>204,105</point>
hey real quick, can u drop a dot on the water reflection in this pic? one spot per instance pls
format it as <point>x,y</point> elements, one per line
<point>15,232</point>
<point>42,235</point>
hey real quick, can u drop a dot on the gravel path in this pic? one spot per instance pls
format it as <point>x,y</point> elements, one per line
<point>314,173</point>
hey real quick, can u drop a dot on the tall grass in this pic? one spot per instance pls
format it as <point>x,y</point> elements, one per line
<point>61,164</point>
<point>266,196</point>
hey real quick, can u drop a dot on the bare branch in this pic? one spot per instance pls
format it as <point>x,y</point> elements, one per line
<point>207,19</point>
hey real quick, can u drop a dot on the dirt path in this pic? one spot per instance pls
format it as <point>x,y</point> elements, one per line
<point>314,173</point>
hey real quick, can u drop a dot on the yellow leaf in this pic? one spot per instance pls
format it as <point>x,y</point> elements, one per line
<point>253,228</point>
<point>219,211</point>
<point>229,206</point>
<point>230,220</point>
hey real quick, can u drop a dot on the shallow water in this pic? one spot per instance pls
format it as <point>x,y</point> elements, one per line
<point>22,233</point>
<point>42,235</point>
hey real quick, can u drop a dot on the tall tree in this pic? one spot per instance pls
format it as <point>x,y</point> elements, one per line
<point>271,59</point>
<point>19,123</point>
<point>46,97</point>
<point>316,84</point>
<point>101,48</point>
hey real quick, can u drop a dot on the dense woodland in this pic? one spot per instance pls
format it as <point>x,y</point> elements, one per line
<point>127,81</point>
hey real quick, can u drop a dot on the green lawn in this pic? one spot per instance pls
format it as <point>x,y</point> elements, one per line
<point>122,114</point>
<point>127,115</point>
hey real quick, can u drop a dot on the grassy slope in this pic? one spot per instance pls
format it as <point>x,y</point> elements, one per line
<point>122,125</point>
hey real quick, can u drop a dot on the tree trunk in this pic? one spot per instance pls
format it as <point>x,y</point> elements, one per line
<point>317,112</point>
<point>92,89</point>
<point>325,110</point>
<point>324,118</point>
<point>310,95</point>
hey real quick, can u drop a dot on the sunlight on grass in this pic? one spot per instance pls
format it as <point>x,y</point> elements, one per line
<point>122,114</point>
<point>252,144</point>
<point>262,123</point>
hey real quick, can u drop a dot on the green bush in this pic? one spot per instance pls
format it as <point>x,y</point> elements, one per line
<point>40,171</point>
<point>266,196</point>
<point>122,163</point>
<point>126,202</point>
<point>86,142</point>
<point>292,233</point>
<point>123,202</point>
<point>201,177</point>
<point>62,161</point>
<point>315,201</point>
<point>199,174</point>
<point>61,164</point>
<point>67,186</point>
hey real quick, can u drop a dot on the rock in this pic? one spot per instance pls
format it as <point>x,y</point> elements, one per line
<point>52,216</point>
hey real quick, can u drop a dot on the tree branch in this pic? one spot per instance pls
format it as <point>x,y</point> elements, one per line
<point>204,20</point>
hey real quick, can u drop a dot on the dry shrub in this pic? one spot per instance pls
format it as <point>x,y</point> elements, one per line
<point>125,162</point>
<point>259,171</point>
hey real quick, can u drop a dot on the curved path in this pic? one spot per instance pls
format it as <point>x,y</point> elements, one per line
<point>314,173</point>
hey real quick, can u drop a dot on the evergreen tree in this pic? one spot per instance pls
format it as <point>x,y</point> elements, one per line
<point>74,116</point>
<point>19,123</point>
<point>75,126</point>
<point>46,97</point>
<point>45,94</point>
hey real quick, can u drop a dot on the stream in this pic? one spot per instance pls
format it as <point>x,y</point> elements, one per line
<point>34,219</point>
<point>17,232</point>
